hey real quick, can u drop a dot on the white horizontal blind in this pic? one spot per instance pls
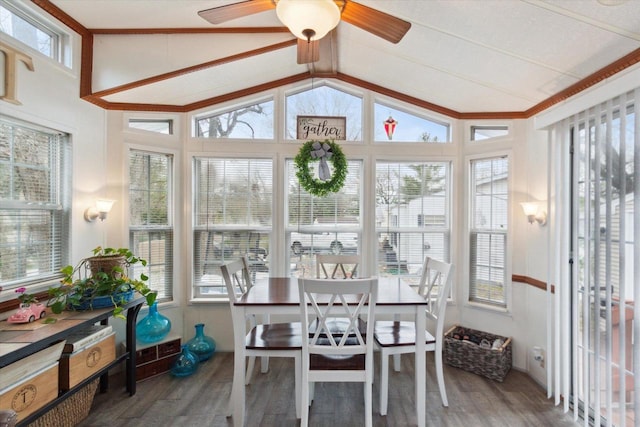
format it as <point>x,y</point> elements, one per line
<point>412,216</point>
<point>35,194</point>
<point>232,217</point>
<point>488,234</point>
<point>150,217</point>
<point>322,225</point>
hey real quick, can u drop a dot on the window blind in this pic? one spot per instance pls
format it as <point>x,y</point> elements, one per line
<point>35,165</point>
<point>232,218</point>
<point>488,234</point>
<point>412,216</point>
<point>150,217</point>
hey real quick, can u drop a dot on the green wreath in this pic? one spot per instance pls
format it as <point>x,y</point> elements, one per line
<point>315,186</point>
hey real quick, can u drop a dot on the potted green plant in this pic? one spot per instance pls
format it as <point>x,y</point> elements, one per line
<point>101,280</point>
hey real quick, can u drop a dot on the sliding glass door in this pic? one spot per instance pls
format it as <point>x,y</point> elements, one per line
<point>604,253</point>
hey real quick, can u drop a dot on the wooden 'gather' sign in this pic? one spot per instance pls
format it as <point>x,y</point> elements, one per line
<point>320,127</point>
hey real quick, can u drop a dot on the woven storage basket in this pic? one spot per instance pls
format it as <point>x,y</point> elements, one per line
<point>493,364</point>
<point>71,411</point>
<point>106,264</point>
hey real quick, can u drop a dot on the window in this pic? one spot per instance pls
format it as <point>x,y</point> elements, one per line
<point>35,200</point>
<point>164,126</point>
<point>329,224</point>
<point>479,133</point>
<point>247,122</point>
<point>150,217</point>
<point>325,101</point>
<point>27,29</point>
<point>488,234</point>
<point>231,218</point>
<point>408,127</point>
<point>412,216</point>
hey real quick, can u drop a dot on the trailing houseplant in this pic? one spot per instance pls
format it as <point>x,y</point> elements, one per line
<point>103,275</point>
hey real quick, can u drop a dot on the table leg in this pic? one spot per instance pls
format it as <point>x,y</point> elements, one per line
<point>421,369</point>
<point>237,399</point>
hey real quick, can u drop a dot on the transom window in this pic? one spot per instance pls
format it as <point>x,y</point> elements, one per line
<point>247,122</point>
<point>31,31</point>
<point>325,101</point>
<point>393,125</point>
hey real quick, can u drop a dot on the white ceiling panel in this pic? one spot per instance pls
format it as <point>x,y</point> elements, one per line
<point>464,55</point>
<point>122,59</point>
<point>212,82</point>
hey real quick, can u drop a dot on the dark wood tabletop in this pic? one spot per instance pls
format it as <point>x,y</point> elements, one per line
<point>283,291</point>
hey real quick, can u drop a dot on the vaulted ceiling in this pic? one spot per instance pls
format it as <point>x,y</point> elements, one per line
<point>463,58</point>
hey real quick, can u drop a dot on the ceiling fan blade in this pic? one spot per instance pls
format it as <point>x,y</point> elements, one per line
<point>218,15</point>
<point>378,23</point>
<point>308,51</point>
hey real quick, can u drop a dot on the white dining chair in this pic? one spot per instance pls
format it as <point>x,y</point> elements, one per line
<point>343,357</point>
<point>263,339</point>
<point>341,266</point>
<point>399,337</point>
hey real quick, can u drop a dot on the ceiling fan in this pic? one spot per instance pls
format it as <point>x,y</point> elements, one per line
<point>310,25</point>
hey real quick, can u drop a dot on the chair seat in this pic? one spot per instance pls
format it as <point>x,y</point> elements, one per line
<point>394,334</point>
<point>275,336</point>
<point>337,362</point>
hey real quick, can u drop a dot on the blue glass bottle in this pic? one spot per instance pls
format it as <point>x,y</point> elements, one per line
<point>202,345</point>
<point>153,327</point>
<point>185,364</point>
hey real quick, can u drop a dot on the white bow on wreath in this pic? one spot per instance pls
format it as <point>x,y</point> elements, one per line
<point>323,153</point>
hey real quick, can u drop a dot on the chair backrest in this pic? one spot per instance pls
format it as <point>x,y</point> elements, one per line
<point>328,299</point>
<point>237,278</point>
<point>435,284</point>
<point>344,266</point>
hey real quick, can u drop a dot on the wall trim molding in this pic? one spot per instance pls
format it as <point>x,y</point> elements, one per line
<point>532,282</point>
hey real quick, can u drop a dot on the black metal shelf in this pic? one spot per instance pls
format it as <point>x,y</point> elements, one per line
<point>82,320</point>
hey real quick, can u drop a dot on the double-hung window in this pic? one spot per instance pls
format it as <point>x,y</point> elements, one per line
<point>488,231</point>
<point>150,217</point>
<point>35,200</point>
<point>322,225</point>
<point>412,216</point>
<point>232,205</point>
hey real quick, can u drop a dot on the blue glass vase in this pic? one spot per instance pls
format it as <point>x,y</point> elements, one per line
<point>202,345</point>
<point>153,327</point>
<point>185,364</point>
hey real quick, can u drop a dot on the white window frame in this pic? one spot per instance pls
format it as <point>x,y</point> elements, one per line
<point>64,190</point>
<point>195,296</point>
<point>508,291</point>
<point>170,227</point>
<point>445,229</point>
<point>62,47</point>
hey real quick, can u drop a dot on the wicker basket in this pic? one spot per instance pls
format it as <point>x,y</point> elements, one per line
<point>106,264</point>
<point>71,411</point>
<point>493,364</point>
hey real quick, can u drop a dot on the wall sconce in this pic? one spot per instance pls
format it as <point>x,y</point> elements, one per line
<point>534,213</point>
<point>100,210</point>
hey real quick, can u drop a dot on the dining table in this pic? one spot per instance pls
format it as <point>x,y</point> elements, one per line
<point>279,295</point>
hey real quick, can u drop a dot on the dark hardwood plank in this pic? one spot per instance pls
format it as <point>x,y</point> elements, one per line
<point>201,400</point>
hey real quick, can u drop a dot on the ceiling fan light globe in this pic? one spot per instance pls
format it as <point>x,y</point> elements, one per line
<point>321,16</point>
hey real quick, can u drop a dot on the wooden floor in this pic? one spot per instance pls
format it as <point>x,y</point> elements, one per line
<point>201,400</point>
